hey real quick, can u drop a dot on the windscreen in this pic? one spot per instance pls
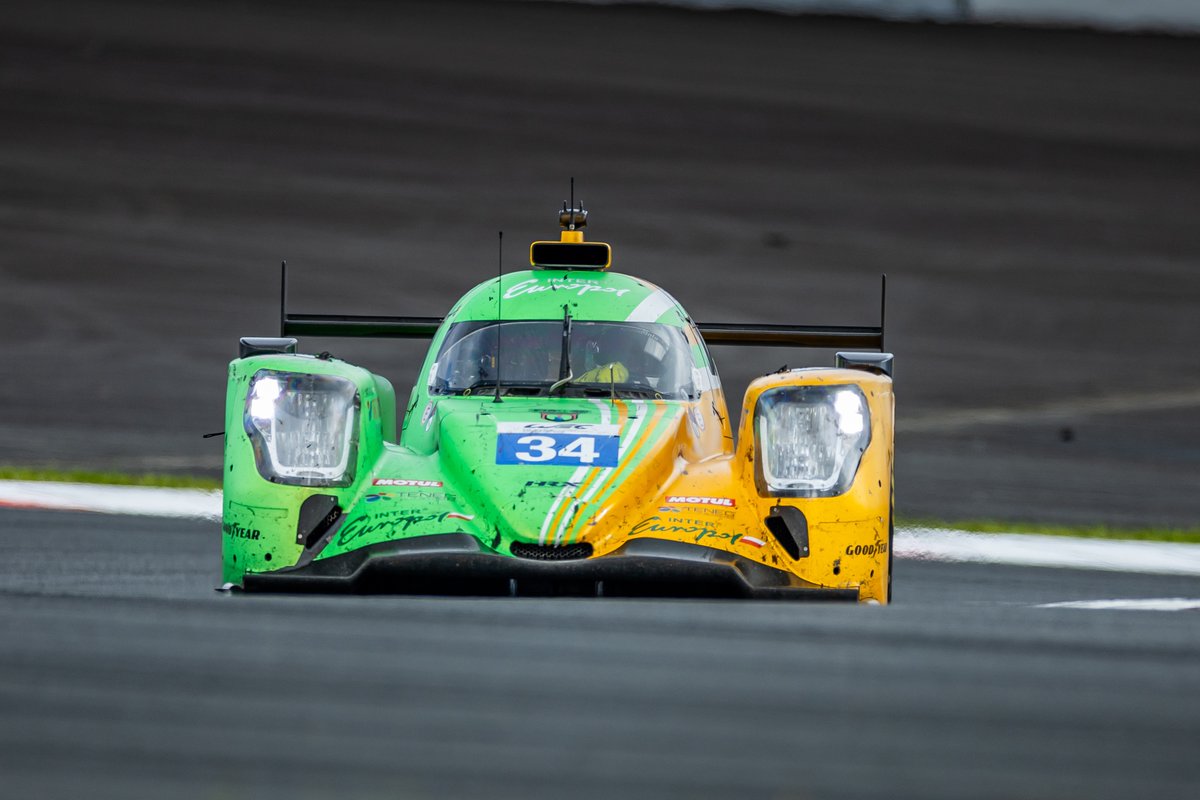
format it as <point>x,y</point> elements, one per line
<point>630,359</point>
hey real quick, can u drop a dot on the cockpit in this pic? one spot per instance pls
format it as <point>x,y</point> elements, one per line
<point>565,357</point>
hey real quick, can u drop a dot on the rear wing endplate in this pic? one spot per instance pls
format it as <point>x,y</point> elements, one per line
<point>827,336</point>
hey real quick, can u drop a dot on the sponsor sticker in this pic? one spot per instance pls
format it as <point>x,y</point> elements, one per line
<point>406,482</point>
<point>701,531</point>
<point>557,443</point>
<point>580,286</point>
<point>240,532</point>
<point>463,517</point>
<point>693,500</point>
<point>873,549</point>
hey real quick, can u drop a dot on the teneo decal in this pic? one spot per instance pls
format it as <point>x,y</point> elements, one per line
<point>412,497</point>
<point>557,444</point>
<point>238,532</point>
<point>406,482</point>
<point>691,500</point>
<point>580,286</point>
<point>874,549</point>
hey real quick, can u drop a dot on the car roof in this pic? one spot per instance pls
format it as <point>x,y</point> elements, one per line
<point>592,295</point>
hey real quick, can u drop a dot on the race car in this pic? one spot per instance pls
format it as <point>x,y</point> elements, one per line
<point>566,436</point>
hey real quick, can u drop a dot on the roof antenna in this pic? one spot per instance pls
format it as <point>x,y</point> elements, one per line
<point>572,203</point>
<point>283,298</point>
<point>499,296</point>
<point>882,310</point>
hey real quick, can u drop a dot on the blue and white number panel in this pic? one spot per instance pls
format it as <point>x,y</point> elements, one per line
<point>567,444</point>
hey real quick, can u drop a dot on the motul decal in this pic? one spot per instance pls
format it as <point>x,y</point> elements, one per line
<point>728,502</point>
<point>404,482</point>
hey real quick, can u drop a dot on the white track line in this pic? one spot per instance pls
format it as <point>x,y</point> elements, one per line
<point>152,501</point>
<point>1026,549</point>
<point>930,544</point>
<point>1131,604</point>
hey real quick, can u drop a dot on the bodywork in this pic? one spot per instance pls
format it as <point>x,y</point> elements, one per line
<point>654,496</point>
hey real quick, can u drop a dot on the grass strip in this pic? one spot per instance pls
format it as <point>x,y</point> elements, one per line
<point>107,478</point>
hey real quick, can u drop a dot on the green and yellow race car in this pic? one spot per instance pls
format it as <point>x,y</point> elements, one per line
<point>567,435</point>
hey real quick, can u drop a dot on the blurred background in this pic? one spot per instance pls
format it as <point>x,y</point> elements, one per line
<point>1031,194</point>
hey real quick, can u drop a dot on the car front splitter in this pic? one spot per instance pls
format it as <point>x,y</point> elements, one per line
<point>457,564</point>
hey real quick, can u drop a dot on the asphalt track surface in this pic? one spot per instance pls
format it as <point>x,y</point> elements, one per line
<point>1031,194</point>
<point>124,675</point>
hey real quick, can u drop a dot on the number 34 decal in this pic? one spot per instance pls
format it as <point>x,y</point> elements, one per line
<point>550,444</point>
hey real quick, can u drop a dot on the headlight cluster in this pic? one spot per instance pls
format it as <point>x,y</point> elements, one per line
<point>810,439</point>
<point>302,427</point>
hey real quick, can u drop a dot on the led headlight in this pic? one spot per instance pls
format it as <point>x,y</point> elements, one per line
<point>302,427</point>
<point>810,439</point>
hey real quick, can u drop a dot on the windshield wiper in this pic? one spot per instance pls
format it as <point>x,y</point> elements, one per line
<point>509,387</point>
<point>565,375</point>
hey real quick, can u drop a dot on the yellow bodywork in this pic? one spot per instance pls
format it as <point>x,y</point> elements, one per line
<point>695,486</point>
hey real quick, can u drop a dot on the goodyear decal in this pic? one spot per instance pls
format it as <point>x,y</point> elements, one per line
<point>874,549</point>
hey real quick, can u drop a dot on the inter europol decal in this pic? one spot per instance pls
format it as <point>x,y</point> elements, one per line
<point>866,549</point>
<point>691,500</point>
<point>580,286</point>
<point>406,482</point>
<point>392,523</point>
<point>699,530</point>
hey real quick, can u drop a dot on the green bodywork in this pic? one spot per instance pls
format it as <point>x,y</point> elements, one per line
<point>440,475</point>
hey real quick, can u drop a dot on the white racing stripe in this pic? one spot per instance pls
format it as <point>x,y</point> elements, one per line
<point>654,306</point>
<point>930,544</point>
<point>1131,604</point>
<point>576,477</point>
<point>564,523</point>
<point>153,501</point>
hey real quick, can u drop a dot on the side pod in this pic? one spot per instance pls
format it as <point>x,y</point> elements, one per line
<point>300,431</point>
<point>820,441</point>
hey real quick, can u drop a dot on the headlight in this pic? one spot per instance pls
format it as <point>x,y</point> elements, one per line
<point>810,439</point>
<point>302,427</point>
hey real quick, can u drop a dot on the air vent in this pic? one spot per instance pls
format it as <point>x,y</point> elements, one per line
<point>545,552</point>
